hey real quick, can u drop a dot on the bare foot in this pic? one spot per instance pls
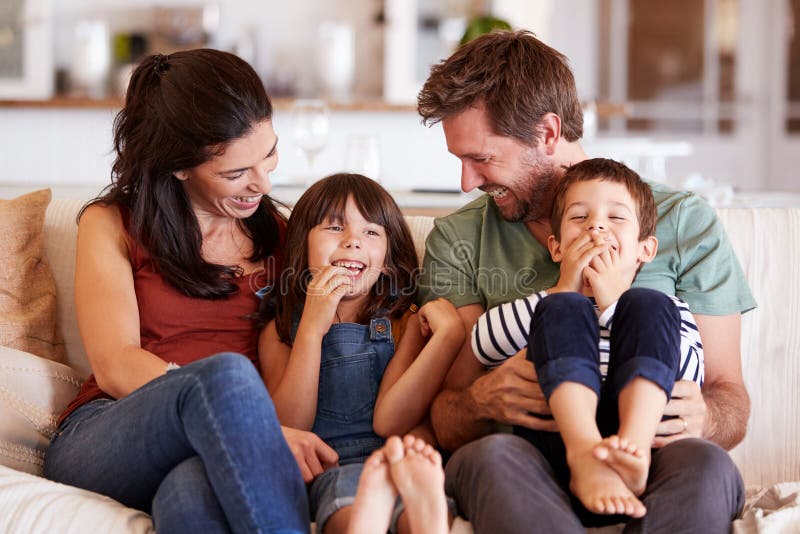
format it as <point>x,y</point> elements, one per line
<point>417,473</point>
<point>630,462</point>
<point>600,488</point>
<point>375,498</point>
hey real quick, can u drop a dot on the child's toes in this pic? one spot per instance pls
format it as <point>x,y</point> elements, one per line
<point>394,451</point>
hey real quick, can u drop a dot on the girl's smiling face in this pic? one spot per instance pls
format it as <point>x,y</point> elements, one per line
<point>353,243</point>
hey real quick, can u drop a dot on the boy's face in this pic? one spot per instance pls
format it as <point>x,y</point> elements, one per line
<point>606,212</point>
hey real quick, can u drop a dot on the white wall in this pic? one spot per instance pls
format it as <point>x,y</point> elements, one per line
<point>73,147</point>
<point>45,146</point>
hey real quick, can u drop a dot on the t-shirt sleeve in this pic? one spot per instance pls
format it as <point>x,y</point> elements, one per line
<point>710,280</point>
<point>503,331</point>
<point>447,270</point>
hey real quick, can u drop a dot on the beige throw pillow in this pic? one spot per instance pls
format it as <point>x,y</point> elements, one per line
<point>27,289</point>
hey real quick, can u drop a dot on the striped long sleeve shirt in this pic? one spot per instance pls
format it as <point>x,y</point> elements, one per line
<point>503,331</point>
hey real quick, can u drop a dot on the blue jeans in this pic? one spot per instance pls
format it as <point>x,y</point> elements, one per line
<point>645,341</point>
<point>564,347</point>
<point>200,448</point>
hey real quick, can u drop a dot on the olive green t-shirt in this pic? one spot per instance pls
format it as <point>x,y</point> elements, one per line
<point>475,256</point>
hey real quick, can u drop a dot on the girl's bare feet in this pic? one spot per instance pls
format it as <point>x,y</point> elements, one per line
<point>631,463</point>
<point>599,487</point>
<point>416,470</point>
<point>375,498</point>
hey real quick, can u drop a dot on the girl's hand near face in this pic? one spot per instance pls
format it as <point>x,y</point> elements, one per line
<point>440,317</point>
<point>325,289</point>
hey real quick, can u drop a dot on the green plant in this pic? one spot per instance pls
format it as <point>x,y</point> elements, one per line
<point>483,24</point>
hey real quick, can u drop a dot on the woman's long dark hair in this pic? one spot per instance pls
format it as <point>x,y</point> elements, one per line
<point>180,111</point>
<point>395,289</point>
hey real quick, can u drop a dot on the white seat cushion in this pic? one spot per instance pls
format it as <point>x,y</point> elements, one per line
<point>30,504</point>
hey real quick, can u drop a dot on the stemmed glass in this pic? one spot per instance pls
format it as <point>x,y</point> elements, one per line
<point>310,123</point>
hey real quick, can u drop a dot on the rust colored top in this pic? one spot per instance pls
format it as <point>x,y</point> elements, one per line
<point>182,329</point>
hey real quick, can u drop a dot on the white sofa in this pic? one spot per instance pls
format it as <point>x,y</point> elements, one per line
<point>32,390</point>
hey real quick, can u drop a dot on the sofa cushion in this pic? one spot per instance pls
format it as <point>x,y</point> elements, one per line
<point>30,504</point>
<point>27,288</point>
<point>60,243</point>
<point>33,393</point>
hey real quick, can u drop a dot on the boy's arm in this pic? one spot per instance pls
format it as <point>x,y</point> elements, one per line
<point>416,371</point>
<point>719,413</point>
<point>503,331</point>
<point>474,399</point>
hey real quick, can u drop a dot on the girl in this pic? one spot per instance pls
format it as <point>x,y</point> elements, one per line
<point>328,355</point>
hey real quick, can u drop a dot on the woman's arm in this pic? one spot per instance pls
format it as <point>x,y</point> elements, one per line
<point>105,301</point>
<point>416,372</point>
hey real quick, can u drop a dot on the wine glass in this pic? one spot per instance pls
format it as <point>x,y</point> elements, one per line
<point>310,122</point>
<point>363,156</point>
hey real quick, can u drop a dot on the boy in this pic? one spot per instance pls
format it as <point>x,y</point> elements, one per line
<point>603,225</point>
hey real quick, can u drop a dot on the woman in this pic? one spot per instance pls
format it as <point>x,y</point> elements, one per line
<point>168,262</point>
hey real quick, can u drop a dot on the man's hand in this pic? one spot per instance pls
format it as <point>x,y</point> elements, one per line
<point>312,455</point>
<point>510,393</point>
<point>688,405</point>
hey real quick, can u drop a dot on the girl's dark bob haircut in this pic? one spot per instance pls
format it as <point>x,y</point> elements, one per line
<point>395,289</point>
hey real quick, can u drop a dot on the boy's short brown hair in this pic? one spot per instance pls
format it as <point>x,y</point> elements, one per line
<point>607,170</point>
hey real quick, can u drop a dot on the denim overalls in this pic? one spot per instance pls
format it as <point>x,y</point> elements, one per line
<point>354,358</point>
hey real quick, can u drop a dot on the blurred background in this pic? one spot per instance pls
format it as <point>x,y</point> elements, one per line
<point>700,94</point>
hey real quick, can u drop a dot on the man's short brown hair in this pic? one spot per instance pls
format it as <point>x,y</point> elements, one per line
<point>515,76</point>
<point>607,170</point>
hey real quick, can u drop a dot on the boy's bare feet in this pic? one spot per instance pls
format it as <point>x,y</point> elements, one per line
<point>599,487</point>
<point>630,462</point>
<point>375,498</point>
<point>417,473</point>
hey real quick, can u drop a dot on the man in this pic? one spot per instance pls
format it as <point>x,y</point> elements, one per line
<point>510,113</point>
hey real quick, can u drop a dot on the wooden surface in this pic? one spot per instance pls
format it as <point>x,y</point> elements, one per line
<point>604,109</point>
<point>68,102</point>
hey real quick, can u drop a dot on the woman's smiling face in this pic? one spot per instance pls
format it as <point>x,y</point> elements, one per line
<point>233,183</point>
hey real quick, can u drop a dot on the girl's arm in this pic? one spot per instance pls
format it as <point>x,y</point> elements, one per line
<point>106,306</point>
<point>415,374</point>
<point>292,373</point>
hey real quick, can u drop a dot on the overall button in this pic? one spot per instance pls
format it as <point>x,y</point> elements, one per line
<point>380,329</point>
